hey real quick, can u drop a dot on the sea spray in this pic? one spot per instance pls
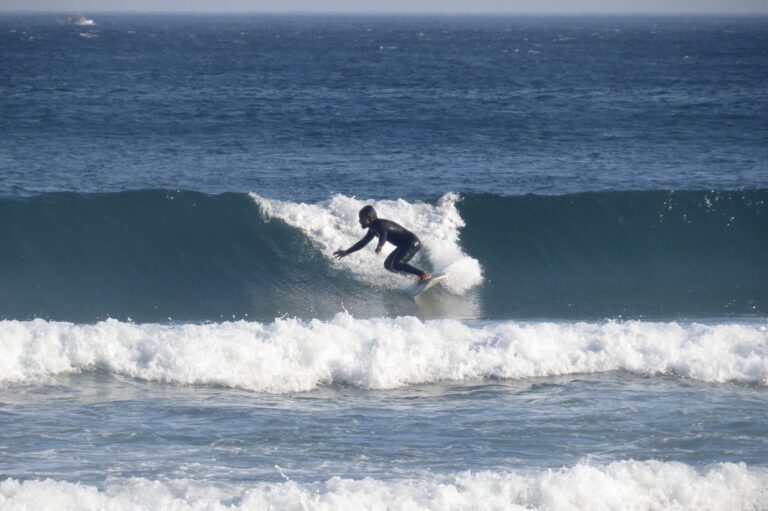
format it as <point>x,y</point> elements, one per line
<point>333,224</point>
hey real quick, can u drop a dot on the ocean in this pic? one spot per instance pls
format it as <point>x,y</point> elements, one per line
<point>175,332</point>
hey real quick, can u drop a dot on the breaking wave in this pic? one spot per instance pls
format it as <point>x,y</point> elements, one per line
<point>620,485</point>
<point>291,355</point>
<point>155,254</point>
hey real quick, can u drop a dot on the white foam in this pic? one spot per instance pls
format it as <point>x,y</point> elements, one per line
<point>291,355</point>
<point>333,224</point>
<point>623,485</point>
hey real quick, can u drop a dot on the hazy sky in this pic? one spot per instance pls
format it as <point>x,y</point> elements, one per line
<point>443,6</point>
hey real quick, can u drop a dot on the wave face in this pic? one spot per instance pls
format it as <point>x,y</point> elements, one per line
<point>153,255</point>
<point>622,253</point>
<point>619,485</point>
<point>290,355</point>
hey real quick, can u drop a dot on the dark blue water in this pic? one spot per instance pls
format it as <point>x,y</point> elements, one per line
<point>175,333</point>
<point>299,107</point>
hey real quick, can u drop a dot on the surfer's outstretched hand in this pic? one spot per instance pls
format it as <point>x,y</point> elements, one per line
<point>340,253</point>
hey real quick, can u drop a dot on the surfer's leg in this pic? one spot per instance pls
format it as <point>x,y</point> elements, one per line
<point>389,262</point>
<point>397,261</point>
<point>415,247</point>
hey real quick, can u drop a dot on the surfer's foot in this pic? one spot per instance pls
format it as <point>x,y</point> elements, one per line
<point>425,277</point>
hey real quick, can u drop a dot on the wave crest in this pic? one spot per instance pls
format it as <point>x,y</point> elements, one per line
<point>333,224</point>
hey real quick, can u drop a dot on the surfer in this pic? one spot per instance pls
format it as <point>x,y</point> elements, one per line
<point>406,242</point>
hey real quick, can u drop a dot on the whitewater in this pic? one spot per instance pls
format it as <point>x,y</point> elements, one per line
<point>622,485</point>
<point>291,355</point>
<point>332,225</point>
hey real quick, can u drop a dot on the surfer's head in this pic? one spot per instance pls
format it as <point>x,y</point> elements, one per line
<point>367,216</point>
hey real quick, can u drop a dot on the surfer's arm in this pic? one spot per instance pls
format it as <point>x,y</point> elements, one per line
<point>382,240</point>
<point>357,246</point>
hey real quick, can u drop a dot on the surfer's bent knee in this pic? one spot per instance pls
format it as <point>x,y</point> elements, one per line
<point>389,263</point>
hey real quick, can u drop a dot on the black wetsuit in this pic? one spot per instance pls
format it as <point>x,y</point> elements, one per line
<point>406,242</point>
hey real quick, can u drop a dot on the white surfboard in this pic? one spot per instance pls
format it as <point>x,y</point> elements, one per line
<point>420,287</point>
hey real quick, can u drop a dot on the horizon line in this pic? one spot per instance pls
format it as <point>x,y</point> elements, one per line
<point>393,12</point>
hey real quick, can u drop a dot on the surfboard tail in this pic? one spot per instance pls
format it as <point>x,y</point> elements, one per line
<point>428,284</point>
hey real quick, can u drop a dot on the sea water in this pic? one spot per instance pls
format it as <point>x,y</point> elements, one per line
<point>175,333</point>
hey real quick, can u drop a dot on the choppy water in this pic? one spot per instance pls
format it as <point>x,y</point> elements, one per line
<point>174,333</point>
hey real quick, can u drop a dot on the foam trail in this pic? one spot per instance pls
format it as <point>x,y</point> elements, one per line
<point>623,485</point>
<point>290,355</point>
<point>333,224</point>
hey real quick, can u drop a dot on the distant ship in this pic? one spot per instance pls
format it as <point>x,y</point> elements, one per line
<point>79,19</point>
